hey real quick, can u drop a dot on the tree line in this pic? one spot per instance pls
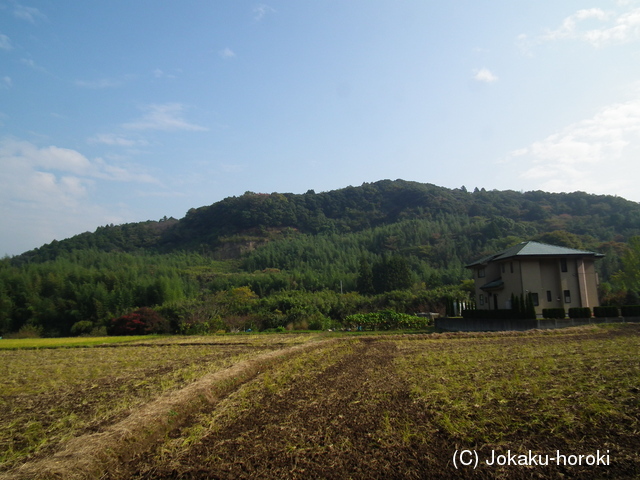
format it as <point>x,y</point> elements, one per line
<point>277,260</point>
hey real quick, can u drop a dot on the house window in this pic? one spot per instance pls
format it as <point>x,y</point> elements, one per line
<point>567,296</point>
<point>481,273</point>
<point>534,298</point>
<point>511,266</point>
<point>549,295</point>
<point>481,299</point>
<point>563,264</point>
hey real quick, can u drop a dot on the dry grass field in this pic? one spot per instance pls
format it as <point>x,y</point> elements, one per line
<point>320,406</point>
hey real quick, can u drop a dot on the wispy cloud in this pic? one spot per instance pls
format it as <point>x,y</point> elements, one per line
<point>30,14</point>
<point>261,10</point>
<point>47,192</point>
<point>54,176</point>
<point>22,159</point>
<point>117,140</point>
<point>34,66</point>
<point>6,82</point>
<point>232,168</point>
<point>5,42</point>
<point>226,53</point>
<point>598,154</point>
<point>484,75</point>
<point>158,73</point>
<point>570,27</point>
<point>166,117</point>
<point>100,83</point>
<point>593,25</point>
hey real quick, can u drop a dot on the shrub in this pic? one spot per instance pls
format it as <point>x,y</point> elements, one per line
<point>100,331</point>
<point>140,322</point>
<point>630,310</point>
<point>82,327</point>
<point>579,312</point>
<point>27,331</point>
<point>603,312</point>
<point>553,312</point>
<point>387,320</point>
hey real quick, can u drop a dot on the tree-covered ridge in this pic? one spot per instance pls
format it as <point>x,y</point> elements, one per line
<point>354,209</point>
<point>128,237</point>
<point>276,260</point>
<point>258,217</point>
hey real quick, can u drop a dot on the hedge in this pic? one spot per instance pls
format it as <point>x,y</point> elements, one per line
<point>630,310</point>
<point>553,312</point>
<point>579,312</point>
<point>604,312</point>
<point>506,314</point>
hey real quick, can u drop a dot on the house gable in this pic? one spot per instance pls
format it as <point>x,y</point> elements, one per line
<point>554,276</point>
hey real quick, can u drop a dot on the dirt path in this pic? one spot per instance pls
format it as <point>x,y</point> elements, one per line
<point>337,409</point>
<point>355,419</point>
<point>96,455</point>
<point>342,423</point>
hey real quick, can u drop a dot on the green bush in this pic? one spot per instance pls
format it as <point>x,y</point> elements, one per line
<point>82,327</point>
<point>386,320</point>
<point>553,312</point>
<point>630,310</point>
<point>579,312</point>
<point>603,312</point>
<point>27,331</point>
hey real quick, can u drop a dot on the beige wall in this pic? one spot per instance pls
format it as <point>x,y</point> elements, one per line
<point>550,272</point>
<point>588,282</point>
<point>491,272</point>
<point>540,276</point>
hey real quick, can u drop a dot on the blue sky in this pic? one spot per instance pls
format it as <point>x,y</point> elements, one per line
<point>123,111</point>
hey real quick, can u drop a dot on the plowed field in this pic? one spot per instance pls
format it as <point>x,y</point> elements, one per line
<point>372,407</point>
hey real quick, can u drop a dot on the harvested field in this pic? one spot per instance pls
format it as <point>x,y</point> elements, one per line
<point>356,407</point>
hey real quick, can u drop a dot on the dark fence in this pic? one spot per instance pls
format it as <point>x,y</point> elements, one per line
<point>457,324</point>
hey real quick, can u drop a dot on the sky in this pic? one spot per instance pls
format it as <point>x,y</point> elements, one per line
<point>131,110</point>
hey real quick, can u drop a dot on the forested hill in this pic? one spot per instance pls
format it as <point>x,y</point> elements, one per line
<point>265,261</point>
<point>483,217</point>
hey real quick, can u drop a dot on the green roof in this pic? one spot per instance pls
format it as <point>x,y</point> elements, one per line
<point>533,249</point>
<point>494,285</point>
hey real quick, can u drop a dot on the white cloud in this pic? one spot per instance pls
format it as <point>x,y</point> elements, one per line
<point>30,63</point>
<point>34,201</point>
<point>158,73</point>
<point>261,10</point>
<point>16,155</point>
<point>232,168</point>
<point>117,140</point>
<point>98,84</point>
<point>226,53</point>
<point>597,27</point>
<point>30,14</point>
<point>5,42</point>
<point>484,75</point>
<point>166,117</point>
<point>597,155</point>
<point>48,193</point>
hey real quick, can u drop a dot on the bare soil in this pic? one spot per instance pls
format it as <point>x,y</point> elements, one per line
<point>356,418</point>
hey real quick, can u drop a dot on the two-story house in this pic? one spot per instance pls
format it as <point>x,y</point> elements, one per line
<point>555,276</point>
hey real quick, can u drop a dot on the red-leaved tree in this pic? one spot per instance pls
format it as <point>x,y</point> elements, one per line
<point>139,322</point>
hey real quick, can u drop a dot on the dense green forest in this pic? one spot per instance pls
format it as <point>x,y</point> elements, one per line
<point>306,261</point>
